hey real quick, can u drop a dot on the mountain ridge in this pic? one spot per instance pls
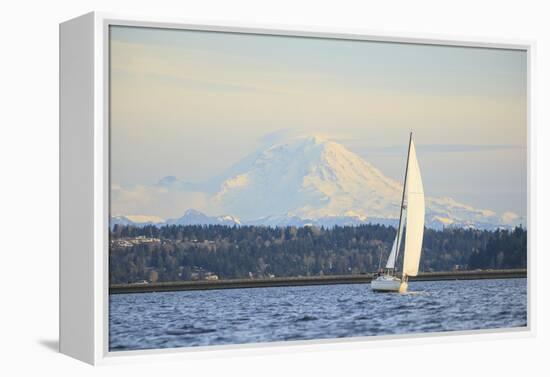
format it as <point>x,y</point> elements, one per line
<point>199,218</point>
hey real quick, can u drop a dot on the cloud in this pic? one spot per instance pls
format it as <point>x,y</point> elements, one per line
<point>158,201</point>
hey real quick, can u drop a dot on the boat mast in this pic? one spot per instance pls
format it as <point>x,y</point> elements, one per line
<point>402,202</point>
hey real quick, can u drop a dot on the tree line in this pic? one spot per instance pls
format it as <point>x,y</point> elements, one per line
<point>172,253</point>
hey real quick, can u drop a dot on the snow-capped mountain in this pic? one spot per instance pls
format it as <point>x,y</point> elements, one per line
<point>194,217</point>
<point>320,181</point>
<point>140,220</point>
<point>190,217</point>
<point>309,177</point>
<point>310,180</point>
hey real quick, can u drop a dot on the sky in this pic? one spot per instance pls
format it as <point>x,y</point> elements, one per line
<point>191,103</point>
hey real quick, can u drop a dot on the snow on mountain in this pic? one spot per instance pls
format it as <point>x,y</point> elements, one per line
<point>309,177</point>
<point>190,217</point>
<point>310,180</point>
<point>194,217</point>
<point>448,212</point>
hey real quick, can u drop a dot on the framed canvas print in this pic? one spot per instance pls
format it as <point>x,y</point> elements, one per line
<point>225,186</point>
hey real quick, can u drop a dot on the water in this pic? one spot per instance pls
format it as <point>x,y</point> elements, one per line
<point>237,316</point>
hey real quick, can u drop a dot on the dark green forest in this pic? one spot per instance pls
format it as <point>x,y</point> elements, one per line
<point>172,253</point>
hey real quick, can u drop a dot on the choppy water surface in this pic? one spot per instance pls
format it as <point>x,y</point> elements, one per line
<point>235,316</point>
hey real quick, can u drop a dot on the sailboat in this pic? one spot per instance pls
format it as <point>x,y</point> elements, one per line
<point>388,280</point>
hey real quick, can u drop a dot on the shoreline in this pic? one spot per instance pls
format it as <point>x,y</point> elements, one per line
<point>305,281</point>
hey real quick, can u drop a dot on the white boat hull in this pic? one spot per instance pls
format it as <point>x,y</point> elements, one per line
<point>388,283</point>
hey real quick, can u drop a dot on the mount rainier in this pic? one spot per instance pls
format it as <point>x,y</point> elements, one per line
<point>312,180</point>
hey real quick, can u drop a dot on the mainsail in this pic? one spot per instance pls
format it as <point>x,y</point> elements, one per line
<point>415,216</point>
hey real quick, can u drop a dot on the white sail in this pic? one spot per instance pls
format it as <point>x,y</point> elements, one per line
<point>395,248</point>
<point>415,216</point>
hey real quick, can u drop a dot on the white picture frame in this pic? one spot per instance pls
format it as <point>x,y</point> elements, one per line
<point>84,187</point>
